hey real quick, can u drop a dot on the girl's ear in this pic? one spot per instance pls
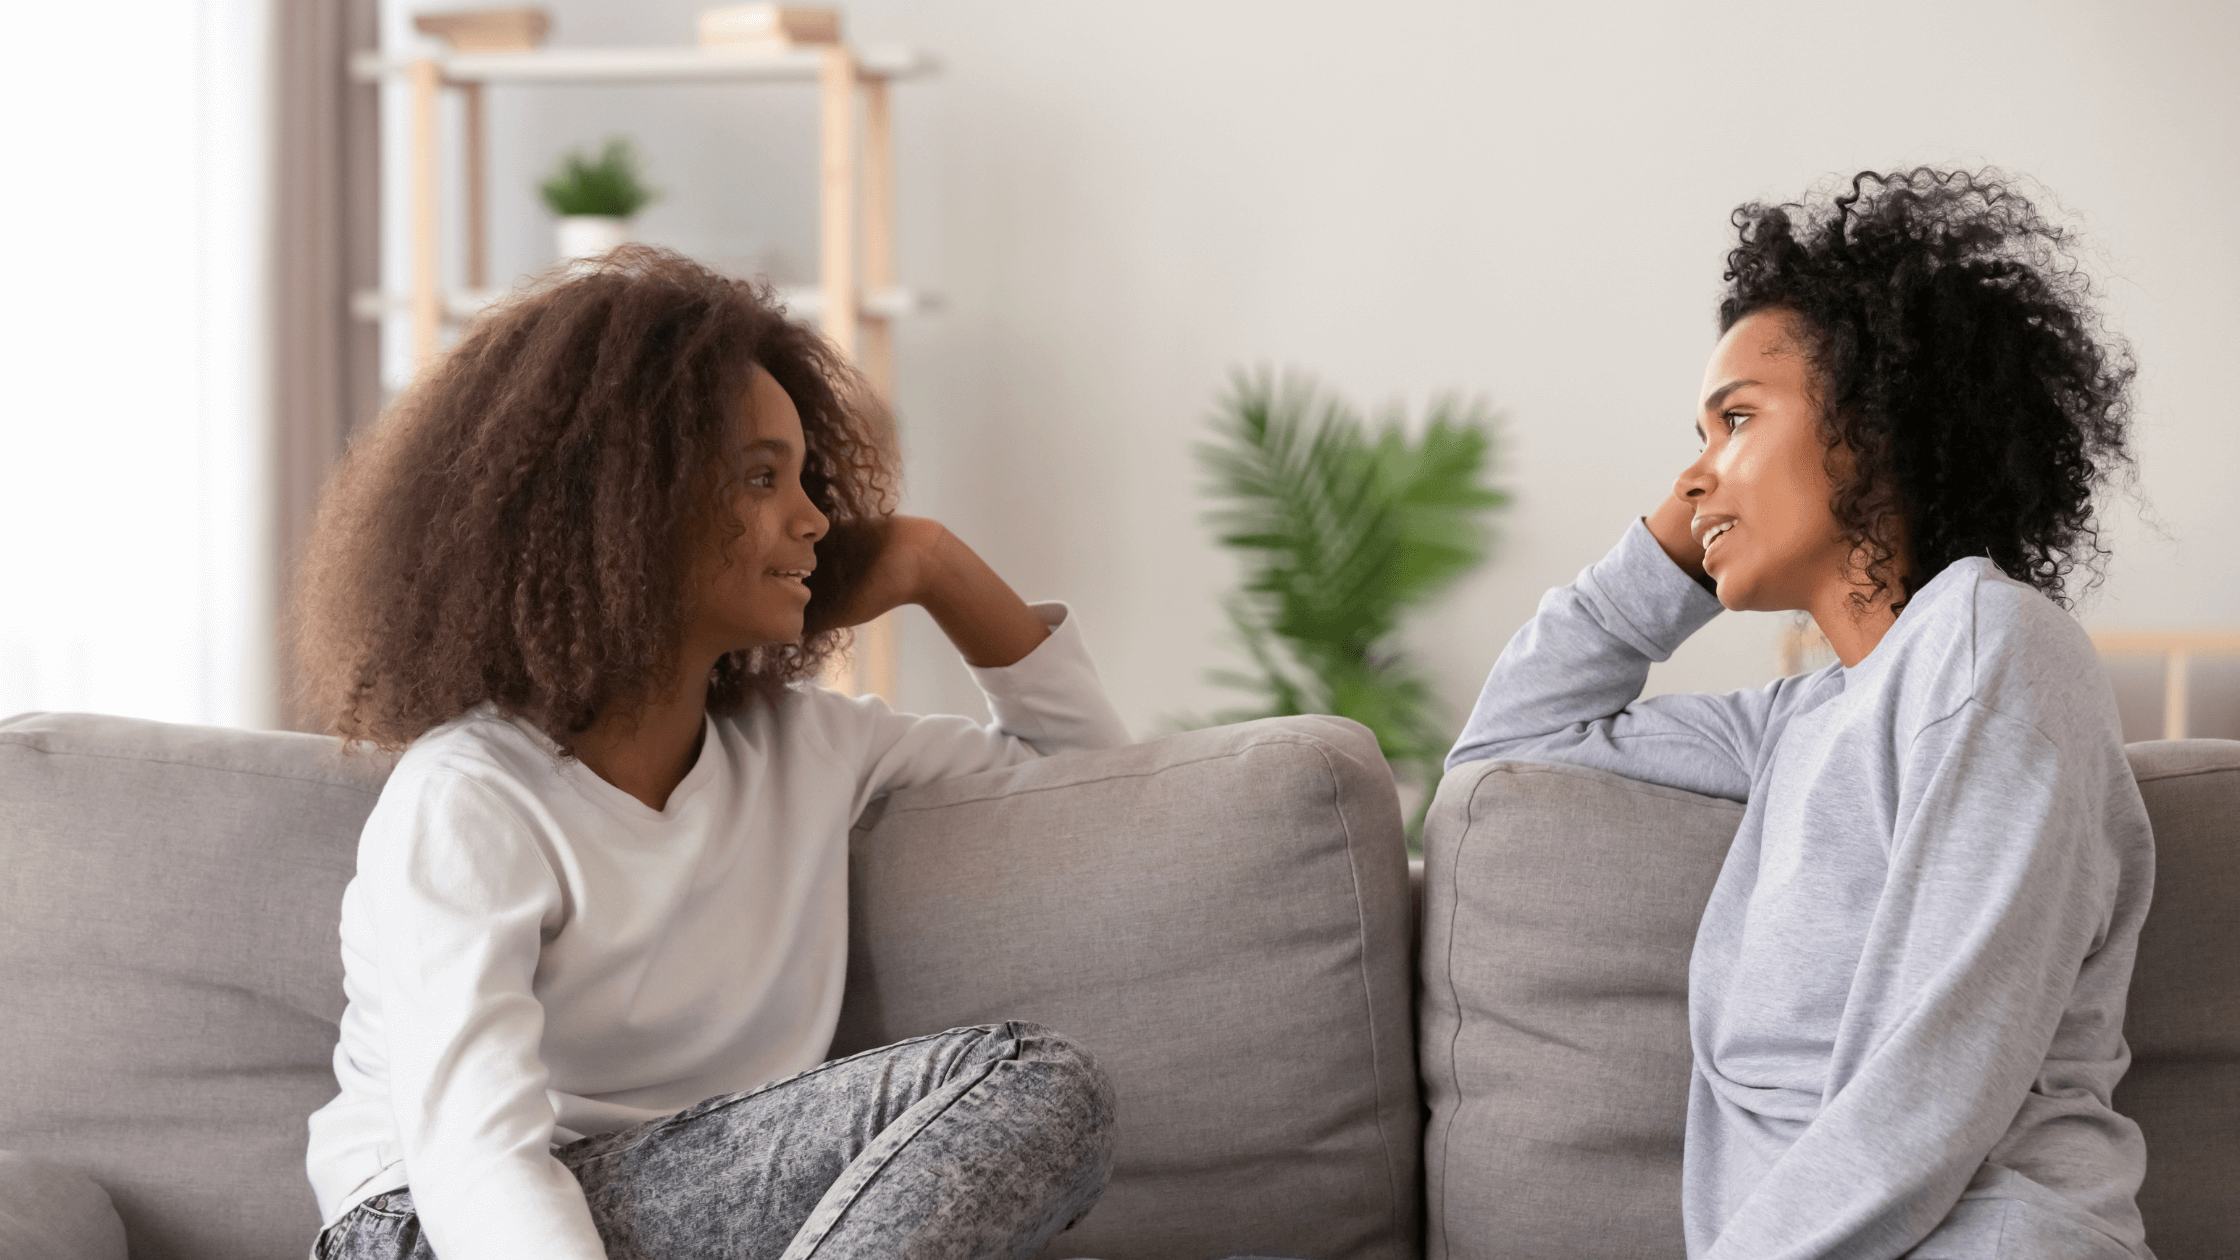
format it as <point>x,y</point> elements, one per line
<point>844,555</point>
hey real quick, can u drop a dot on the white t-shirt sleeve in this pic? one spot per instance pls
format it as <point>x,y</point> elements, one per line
<point>461,893</point>
<point>1048,701</point>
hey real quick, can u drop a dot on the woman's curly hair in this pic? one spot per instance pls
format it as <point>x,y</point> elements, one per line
<point>1957,359</point>
<point>519,527</point>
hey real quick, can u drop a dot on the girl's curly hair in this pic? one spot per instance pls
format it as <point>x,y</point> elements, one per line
<point>519,528</point>
<point>1959,361</point>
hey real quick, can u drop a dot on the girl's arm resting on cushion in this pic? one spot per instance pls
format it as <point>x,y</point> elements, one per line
<point>1999,888</point>
<point>1567,687</point>
<point>1029,660</point>
<point>461,894</point>
<point>986,620</point>
<point>1048,701</point>
<point>866,568</point>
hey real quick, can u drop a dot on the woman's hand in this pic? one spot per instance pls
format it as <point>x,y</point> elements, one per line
<point>1673,526</point>
<point>866,568</point>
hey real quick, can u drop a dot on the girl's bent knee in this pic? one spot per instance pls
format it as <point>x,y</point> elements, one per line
<point>1074,1084</point>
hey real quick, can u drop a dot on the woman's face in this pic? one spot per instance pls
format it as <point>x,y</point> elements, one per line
<point>1761,489</point>
<point>751,589</point>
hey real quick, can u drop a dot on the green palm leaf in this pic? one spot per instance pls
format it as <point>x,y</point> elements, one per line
<point>1341,533</point>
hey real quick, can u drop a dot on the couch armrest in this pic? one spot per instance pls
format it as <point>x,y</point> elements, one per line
<point>51,1211</point>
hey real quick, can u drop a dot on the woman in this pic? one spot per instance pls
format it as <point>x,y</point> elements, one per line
<point>584,574</point>
<point>1906,997</point>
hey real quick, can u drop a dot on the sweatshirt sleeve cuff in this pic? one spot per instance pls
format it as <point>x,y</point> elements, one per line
<point>1654,603</point>
<point>1052,697</point>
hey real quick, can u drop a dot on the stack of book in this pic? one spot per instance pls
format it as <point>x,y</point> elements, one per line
<point>768,27</point>
<point>487,30</point>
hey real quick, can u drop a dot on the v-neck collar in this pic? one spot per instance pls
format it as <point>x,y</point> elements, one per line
<point>621,803</point>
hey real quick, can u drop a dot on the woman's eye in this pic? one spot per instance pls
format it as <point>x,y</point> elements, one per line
<point>763,478</point>
<point>1734,419</point>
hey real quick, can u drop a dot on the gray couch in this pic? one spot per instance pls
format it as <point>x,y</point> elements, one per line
<point>1224,916</point>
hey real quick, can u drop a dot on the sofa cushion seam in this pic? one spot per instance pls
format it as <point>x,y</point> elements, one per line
<point>2167,776</point>
<point>1318,745</point>
<point>1655,791</point>
<point>1368,991</point>
<point>192,765</point>
<point>1454,995</point>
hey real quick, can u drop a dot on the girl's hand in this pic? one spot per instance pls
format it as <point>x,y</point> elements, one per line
<point>865,569</point>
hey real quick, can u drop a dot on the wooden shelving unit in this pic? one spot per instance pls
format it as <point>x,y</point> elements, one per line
<point>1803,644</point>
<point>2176,648</point>
<point>857,296</point>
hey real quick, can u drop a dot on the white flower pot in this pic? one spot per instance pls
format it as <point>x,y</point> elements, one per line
<point>590,235</point>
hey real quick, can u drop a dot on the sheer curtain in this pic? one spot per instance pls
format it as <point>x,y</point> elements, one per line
<point>325,246</point>
<point>179,363</point>
<point>132,452</point>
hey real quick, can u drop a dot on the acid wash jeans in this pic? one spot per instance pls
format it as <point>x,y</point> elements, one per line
<point>974,1142</point>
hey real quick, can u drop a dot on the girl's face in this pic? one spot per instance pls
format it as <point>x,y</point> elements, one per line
<point>750,589</point>
<point>1761,489</point>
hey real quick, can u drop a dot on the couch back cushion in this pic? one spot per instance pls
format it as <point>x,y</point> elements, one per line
<point>1222,918</point>
<point>169,898</point>
<point>1560,907</point>
<point>2183,1020</point>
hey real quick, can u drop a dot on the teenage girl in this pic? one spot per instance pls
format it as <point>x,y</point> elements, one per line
<point>1906,997</point>
<point>584,575</point>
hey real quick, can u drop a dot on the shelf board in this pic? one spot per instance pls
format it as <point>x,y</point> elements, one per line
<point>807,302</point>
<point>801,302</point>
<point>2163,642</point>
<point>651,64</point>
<point>457,303</point>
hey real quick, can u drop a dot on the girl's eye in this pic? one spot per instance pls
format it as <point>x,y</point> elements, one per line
<point>763,478</point>
<point>1734,419</point>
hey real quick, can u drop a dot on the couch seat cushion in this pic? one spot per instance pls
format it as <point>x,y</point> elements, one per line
<point>51,1211</point>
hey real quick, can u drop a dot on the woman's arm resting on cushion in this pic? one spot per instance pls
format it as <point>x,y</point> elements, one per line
<point>1567,687</point>
<point>458,895</point>
<point>1999,887</point>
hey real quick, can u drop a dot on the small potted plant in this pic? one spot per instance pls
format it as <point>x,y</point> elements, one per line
<point>595,198</point>
<point>1344,528</point>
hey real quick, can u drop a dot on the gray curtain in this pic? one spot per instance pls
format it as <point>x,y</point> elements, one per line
<point>326,244</point>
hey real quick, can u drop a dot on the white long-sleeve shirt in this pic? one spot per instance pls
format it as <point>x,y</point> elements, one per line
<point>533,955</point>
<point>1907,992</point>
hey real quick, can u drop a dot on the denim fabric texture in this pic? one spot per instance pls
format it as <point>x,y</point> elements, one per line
<point>976,1142</point>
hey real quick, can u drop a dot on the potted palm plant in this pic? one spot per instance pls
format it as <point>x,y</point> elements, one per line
<point>1341,532</point>
<point>595,198</point>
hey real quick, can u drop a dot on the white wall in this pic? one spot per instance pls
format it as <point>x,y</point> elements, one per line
<point>133,420</point>
<point>1121,202</point>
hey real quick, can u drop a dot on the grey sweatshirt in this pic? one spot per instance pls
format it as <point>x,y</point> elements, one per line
<point>1906,998</point>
